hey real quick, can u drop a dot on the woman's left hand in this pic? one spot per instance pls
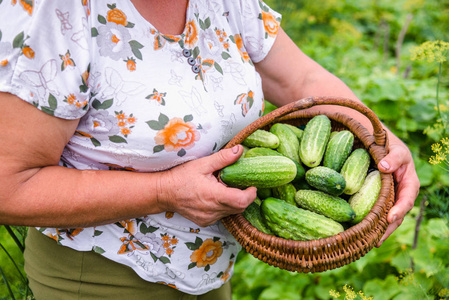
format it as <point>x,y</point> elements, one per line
<point>399,161</point>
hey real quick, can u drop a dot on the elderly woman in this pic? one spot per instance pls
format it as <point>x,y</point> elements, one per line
<point>114,114</point>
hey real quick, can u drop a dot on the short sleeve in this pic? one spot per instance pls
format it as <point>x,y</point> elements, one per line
<point>45,54</point>
<point>260,28</point>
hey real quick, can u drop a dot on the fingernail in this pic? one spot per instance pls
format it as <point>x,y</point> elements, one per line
<point>235,149</point>
<point>394,218</point>
<point>385,165</point>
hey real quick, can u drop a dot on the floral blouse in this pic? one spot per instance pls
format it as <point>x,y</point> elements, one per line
<point>146,102</point>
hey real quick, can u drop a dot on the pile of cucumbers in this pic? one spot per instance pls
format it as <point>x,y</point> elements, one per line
<point>311,183</point>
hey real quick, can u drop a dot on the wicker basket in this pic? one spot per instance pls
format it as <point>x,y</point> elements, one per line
<point>338,250</point>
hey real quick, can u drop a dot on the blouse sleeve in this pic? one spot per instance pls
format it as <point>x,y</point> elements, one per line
<point>44,54</point>
<point>260,28</point>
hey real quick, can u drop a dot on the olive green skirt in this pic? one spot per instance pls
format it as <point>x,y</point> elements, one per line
<point>61,273</point>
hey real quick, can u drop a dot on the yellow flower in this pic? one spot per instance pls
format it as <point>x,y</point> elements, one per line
<point>430,51</point>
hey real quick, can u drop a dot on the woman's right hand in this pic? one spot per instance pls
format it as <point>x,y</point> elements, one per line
<point>192,190</point>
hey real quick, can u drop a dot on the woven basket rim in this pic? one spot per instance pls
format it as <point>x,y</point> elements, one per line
<point>338,250</point>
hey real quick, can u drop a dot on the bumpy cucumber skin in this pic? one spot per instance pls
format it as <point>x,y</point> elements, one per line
<point>288,141</point>
<point>326,179</point>
<point>285,192</point>
<point>362,201</point>
<point>253,214</point>
<point>260,171</point>
<point>338,149</point>
<point>354,170</point>
<point>314,140</point>
<point>296,130</point>
<point>327,205</point>
<point>294,223</point>
<point>262,151</point>
<point>261,138</point>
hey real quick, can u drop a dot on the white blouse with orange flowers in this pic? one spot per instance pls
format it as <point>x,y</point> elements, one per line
<point>146,102</point>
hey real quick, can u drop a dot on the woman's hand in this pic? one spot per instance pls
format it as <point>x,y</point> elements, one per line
<point>192,190</point>
<point>399,161</point>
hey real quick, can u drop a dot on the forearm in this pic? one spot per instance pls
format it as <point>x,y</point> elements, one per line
<point>60,197</point>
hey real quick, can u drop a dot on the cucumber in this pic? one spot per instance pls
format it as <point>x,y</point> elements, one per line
<point>354,170</point>
<point>314,140</point>
<point>264,193</point>
<point>259,171</point>
<point>362,201</point>
<point>338,149</point>
<point>262,151</point>
<point>288,141</point>
<point>326,179</point>
<point>291,222</point>
<point>261,138</point>
<point>253,214</point>
<point>327,205</point>
<point>296,130</point>
<point>285,192</point>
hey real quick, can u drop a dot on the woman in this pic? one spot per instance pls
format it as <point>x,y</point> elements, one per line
<point>134,100</point>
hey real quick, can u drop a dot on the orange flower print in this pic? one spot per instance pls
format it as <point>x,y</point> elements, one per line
<point>159,97</point>
<point>53,236</point>
<point>169,243</point>
<point>130,244</point>
<point>270,24</point>
<point>66,60</point>
<point>169,214</point>
<point>27,5</point>
<point>174,135</point>
<point>4,63</point>
<point>207,254</point>
<point>131,64</point>
<point>225,276</point>
<point>116,16</point>
<point>125,122</point>
<point>191,34</point>
<point>130,226</point>
<point>239,42</point>
<point>72,99</point>
<point>246,101</point>
<point>28,52</point>
<point>70,233</point>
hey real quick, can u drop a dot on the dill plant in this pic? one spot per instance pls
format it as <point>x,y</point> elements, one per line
<point>434,51</point>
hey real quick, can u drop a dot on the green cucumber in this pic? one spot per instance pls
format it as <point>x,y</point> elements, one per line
<point>285,192</point>
<point>326,179</point>
<point>288,141</point>
<point>259,171</point>
<point>338,149</point>
<point>253,214</point>
<point>362,201</point>
<point>294,223</point>
<point>296,130</point>
<point>314,140</point>
<point>261,138</point>
<point>354,170</point>
<point>262,151</point>
<point>327,205</point>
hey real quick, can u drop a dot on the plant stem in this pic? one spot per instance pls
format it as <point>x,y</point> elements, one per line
<point>443,119</point>
<point>14,237</point>
<point>419,219</point>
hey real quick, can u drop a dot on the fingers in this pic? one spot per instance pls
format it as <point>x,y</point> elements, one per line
<point>223,158</point>
<point>400,162</point>
<point>397,156</point>
<point>392,227</point>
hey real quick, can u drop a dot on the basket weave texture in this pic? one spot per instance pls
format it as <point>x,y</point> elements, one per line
<point>338,250</point>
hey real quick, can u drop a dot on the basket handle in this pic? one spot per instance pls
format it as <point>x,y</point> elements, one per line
<point>380,134</point>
